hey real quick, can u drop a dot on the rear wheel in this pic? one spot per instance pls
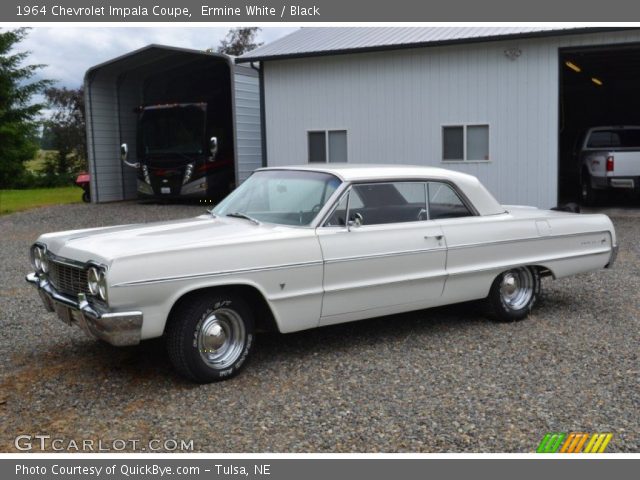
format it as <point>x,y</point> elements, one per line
<point>209,336</point>
<point>86,196</point>
<point>513,294</point>
<point>588,194</point>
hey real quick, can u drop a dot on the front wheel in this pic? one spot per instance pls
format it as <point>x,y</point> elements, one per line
<point>513,294</point>
<point>209,336</point>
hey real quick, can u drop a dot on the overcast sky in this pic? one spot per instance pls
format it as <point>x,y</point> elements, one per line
<point>69,52</point>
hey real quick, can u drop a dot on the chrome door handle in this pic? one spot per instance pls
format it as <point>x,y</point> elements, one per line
<point>437,237</point>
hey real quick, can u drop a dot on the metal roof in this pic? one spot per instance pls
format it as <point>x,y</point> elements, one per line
<point>316,41</point>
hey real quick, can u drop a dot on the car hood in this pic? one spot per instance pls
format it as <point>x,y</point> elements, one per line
<point>107,244</point>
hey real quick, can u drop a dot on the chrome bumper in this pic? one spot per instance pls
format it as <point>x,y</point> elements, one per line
<point>116,328</point>
<point>612,258</point>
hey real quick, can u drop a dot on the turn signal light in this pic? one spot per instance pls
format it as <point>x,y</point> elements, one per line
<point>610,163</point>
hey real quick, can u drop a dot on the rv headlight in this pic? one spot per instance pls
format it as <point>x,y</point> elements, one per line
<point>187,173</point>
<point>37,258</point>
<point>145,174</point>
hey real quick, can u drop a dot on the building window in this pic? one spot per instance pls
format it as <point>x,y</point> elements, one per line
<point>327,146</point>
<point>465,143</point>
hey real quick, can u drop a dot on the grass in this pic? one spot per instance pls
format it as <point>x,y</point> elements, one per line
<point>19,200</point>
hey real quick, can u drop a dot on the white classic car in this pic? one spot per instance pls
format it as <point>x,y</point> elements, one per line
<point>301,247</point>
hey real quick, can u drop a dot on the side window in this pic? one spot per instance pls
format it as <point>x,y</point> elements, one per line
<point>339,215</point>
<point>444,202</point>
<point>395,202</point>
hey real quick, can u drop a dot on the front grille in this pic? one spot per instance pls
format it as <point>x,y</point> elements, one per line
<point>67,279</point>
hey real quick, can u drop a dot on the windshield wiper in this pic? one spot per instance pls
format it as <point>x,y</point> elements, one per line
<point>243,215</point>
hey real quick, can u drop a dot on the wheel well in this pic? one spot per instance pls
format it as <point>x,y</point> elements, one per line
<point>543,271</point>
<point>264,319</point>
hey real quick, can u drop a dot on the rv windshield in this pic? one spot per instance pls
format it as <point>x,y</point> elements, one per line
<point>176,129</point>
<point>285,197</point>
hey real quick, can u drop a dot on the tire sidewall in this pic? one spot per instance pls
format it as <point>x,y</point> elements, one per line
<point>201,370</point>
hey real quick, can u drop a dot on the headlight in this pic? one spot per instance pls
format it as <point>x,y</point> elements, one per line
<point>44,263</point>
<point>97,283</point>
<point>37,258</point>
<point>102,286</point>
<point>93,277</point>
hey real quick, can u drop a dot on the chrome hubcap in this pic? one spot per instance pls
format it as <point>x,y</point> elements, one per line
<point>516,288</point>
<point>221,338</point>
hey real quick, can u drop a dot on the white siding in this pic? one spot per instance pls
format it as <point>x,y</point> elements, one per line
<point>393,105</point>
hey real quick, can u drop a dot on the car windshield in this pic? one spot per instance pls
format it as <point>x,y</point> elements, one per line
<point>173,130</point>
<point>285,197</point>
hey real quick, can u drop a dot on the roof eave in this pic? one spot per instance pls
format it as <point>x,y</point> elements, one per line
<point>434,43</point>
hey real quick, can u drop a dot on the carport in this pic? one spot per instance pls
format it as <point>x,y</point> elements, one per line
<point>160,74</point>
<point>598,87</point>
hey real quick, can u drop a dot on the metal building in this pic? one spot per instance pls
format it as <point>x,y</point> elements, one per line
<point>499,103</point>
<point>115,88</point>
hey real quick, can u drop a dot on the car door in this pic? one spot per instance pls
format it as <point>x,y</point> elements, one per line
<point>468,238</point>
<point>381,253</point>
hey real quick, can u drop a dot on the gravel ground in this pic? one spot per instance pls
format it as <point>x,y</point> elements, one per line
<point>441,380</point>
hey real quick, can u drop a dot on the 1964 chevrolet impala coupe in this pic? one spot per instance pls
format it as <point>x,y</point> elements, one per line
<point>302,247</point>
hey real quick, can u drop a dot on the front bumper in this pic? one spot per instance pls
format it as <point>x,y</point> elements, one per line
<point>117,328</point>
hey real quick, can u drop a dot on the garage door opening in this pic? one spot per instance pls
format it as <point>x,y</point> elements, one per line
<point>188,122</point>
<point>598,87</point>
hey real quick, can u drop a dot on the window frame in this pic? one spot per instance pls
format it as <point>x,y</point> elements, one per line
<point>327,153</point>
<point>473,212</point>
<point>464,127</point>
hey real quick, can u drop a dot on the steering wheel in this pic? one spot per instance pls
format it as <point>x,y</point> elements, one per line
<point>316,208</point>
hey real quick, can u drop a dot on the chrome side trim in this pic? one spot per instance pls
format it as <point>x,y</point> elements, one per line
<point>528,262</point>
<point>527,239</point>
<point>383,255</point>
<point>419,278</point>
<point>216,274</point>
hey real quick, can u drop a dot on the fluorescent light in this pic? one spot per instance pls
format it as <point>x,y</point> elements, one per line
<point>597,81</point>
<point>573,66</point>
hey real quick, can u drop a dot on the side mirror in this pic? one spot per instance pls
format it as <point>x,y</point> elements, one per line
<point>213,147</point>
<point>356,222</point>
<point>124,154</point>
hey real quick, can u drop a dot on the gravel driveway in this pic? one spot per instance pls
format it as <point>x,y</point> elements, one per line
<point>441,380</point>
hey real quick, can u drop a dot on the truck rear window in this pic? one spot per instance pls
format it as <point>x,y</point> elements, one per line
<point>615,139</point>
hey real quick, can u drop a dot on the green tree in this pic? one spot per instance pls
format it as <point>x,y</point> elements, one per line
<point>239,41</point>
<point>66,128</point>
<point>18,110</point>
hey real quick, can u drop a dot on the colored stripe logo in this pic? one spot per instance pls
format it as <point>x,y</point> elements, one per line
<point>574,442</point>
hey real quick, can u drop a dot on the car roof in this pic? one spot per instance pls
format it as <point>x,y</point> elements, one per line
<point>353,172</point>
<point>470,186</point>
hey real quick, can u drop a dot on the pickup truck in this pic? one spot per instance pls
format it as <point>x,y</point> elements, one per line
<point>609,157</point>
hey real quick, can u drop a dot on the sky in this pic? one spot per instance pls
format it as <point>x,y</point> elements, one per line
<point>68,52</point>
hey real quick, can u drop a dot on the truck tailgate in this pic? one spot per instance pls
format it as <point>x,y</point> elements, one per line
<point>626,163</point>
